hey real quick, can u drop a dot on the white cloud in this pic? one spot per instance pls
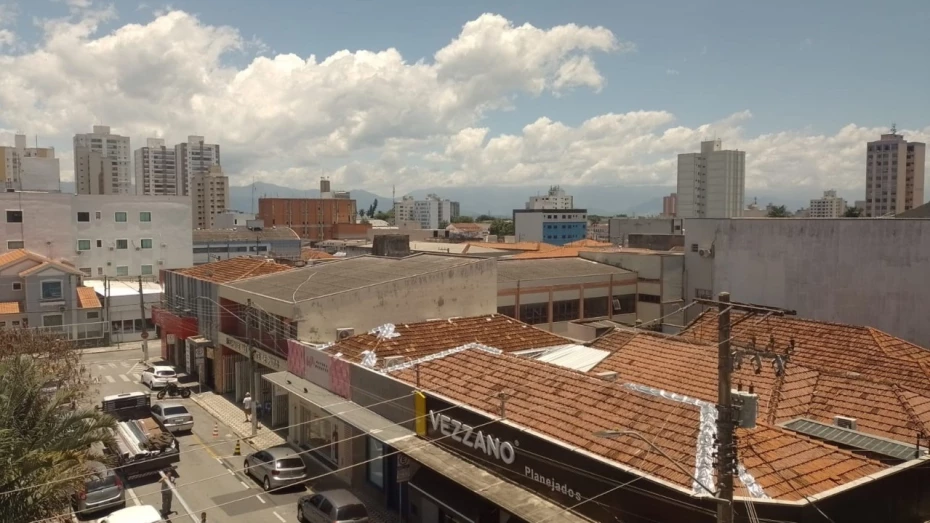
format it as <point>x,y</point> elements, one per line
<point>373,118</point>
<point>672,72</point>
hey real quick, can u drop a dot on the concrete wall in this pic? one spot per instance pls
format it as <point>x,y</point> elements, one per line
<point>858,271</point>
<point>656,242</point>
<point>205,252</point>
<point>621,228</point>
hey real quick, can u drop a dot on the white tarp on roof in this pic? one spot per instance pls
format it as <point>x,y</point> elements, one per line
<point>577,357</point>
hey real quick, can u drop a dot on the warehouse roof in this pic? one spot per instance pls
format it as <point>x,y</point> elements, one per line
<point>241,234</point>
<point>514,270</point>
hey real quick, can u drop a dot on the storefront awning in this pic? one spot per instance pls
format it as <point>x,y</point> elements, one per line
<point>514,499</point>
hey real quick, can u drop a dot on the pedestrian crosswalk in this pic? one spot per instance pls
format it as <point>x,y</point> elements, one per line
<point>118,372</point>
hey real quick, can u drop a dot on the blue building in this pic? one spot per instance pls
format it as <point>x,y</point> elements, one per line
<point>557,227</point>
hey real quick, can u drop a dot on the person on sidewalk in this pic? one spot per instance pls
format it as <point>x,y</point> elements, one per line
<point>247,406</point>
<point>166,495</point>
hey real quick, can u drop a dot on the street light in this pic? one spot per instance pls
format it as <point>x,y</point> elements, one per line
<point>614,434</point>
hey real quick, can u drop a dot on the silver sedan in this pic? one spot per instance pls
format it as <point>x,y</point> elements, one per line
<point>174,416</point>
<point>276,467</point>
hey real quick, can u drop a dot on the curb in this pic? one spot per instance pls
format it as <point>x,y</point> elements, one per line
<point>101,350</point>
<point>213,412</point>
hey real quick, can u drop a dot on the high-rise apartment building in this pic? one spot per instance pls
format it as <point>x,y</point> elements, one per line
<point>209,197</point>
<point>711,183</point>
<point>554,200</point>
<point>429,213</point>
<point>894,175</point>
<point>156,169</point>
<point>29,168</point>
<point>195,157</point>
<point>670,205</point>
<point>102,163</point>
<point>830,206</point>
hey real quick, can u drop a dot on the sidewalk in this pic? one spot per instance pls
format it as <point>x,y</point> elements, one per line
<point>232,416</point>
<point>125,346</point>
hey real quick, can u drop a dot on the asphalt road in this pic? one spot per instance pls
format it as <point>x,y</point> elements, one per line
<point>208,474</point>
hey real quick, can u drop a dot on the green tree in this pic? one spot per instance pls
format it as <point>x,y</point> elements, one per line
<point>484,218</point>
<point>778,212</point>
<point>373,208</point>
<point>443,224</point>
<point>501,227</point>
<point>46,430</point>
<point>853,212</point>
<point>386,216</point>
<point>361,213</point>
<point>594,219</point>
<point>463,219</point>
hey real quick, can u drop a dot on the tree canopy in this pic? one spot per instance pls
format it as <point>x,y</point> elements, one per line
<point>778,212</point>
<point>853,212</point>
<point>501,227</point>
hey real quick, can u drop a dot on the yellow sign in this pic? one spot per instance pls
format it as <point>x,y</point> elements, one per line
<point>419,406</point>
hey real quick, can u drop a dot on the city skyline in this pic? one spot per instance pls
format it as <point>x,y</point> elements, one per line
<point>437,112</point>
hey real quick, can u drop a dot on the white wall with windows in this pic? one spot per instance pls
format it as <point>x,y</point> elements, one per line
<point>121,307</point>
<point>115,236</point>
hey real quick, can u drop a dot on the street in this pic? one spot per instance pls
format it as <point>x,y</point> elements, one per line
<point>208,478</point>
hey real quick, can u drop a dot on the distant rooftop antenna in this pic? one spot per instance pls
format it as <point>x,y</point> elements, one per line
<point>894,128</point>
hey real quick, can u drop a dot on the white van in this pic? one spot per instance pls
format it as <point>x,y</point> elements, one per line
<point>137,514</point>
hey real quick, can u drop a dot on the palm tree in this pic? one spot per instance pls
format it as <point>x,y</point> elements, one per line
<point>45,437</point>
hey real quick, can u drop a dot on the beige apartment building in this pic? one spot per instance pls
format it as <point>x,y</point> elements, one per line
<point>209,196</point>
<point>830,206</point>
<point>101,162</point>
<point>894,175</point>
<point>29,168</point>
<point>194,157</point>
<point>156,169</point>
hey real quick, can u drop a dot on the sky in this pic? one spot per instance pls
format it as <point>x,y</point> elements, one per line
<point>434,93</point>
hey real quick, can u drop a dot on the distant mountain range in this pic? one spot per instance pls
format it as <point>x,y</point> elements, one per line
<point>636,200</point>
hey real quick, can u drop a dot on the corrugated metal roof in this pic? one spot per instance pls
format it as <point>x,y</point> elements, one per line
<point>514,270</point>
<point>573,356</point>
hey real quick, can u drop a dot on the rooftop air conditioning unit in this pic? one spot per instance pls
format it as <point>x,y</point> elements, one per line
<point>706,252</point>
<point>161,262</point>
<point>111,247</point>
<point>344,333</point>
<point>844,422</point>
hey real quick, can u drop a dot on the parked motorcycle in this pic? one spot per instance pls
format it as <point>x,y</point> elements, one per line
<point>173,390</point>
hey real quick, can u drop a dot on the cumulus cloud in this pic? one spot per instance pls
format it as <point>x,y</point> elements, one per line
<point>373,118</point>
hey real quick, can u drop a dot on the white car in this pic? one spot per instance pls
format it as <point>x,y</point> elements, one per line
<point>137,514</point>
<point>159,376</point>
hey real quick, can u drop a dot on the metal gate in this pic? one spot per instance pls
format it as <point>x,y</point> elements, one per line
<point>279,405</point>
<point>243,384</point>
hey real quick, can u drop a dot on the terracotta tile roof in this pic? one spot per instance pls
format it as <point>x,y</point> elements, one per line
<point>10,307</point>
<point>308,253</point>
<point>47,263</point>
<point>588,243</point>
<point>518,246</point>
<point>429,337</point>
<point>87,298</point>
<point>689,367</point>
<point>468,227</point>
<point>558,252</point>
<point>831,347</point>
<point>234,269</point>
<point>13,256</point>
<point>570,407</point>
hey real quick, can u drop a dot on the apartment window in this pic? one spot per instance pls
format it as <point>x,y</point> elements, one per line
<point>145,216</point>
<point>625,304</point>
<point>694,247</point>
<point>83,245</point>
<point>146,270</point>
<point>534,313</point>
<point>565,310</point>
<point>120,217</point>
<point>99,243</point>
<point>122,270</point>
<point>122,244</point>
<point>146,243</point>
<point>93,315</point>
<point>99,271</point>
<point>14,217</point>
<point>650,298</point>
<point>98,215</point>
<point>595,307</point>
<point>15,244</point>
<point>83,216</point>
<point>52,290</point>
<point>702,294</point>
<point>53,320</point>
<point>88,271</point>
<point>17,285</point>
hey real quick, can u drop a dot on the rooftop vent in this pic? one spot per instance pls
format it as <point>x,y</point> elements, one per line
<point>748,404</point>
<point>607,376</point>
<point>390,361</point>
<point>845,423</point>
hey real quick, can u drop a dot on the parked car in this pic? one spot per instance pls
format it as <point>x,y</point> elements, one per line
<point>102,489</point>
<point>158,376</point>
<point>174,416</point>
<point>136,514</point>
<point>331,506</point>
<point>276,467</point>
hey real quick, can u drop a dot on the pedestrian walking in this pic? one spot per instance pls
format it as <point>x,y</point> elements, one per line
<point>203,517</point>
<point>166,495</point>
<point>247,405</point>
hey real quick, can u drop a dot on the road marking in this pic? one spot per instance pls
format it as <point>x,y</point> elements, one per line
<point>132,495</point>
<point>124,365</point>
<point>278,516</point>
<point>183,503</point>
<point>112,365</point>
<point>243,483</point>
<point>137,376</point>
<point>124,377</point>
<point>109,378</point>
<point>100,367</point>
<point>262,500</point>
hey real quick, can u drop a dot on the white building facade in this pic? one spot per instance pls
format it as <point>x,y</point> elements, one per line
<point>550,226</point>
<point>29,168</point>
<point>894,175</point>
<point>102,162</point>
<point>195,156</point>
<point>555,199</point>
<point>711,183</point>
<point>156,169</point>
<point>429,213</point>
<point>830,206</point>
<point>100,235</point>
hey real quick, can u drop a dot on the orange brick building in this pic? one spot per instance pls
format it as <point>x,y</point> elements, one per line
<point>312,218</point>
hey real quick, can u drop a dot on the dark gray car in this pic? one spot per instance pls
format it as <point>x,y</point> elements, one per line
<point>276,467</point>
<point>103,489</point>
<point>331,506</point>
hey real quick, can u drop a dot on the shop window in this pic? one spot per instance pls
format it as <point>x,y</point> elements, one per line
<point>375,463</point>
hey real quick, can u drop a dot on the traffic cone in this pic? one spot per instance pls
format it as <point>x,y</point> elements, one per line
<point>238,451</point>
<point>216,430</point>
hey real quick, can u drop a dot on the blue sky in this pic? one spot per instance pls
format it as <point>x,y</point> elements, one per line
<point>803,69</point>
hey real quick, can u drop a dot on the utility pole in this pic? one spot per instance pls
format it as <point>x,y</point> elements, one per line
<point>253,378</point>
<point>727,415</point>
<point>145,329</point>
